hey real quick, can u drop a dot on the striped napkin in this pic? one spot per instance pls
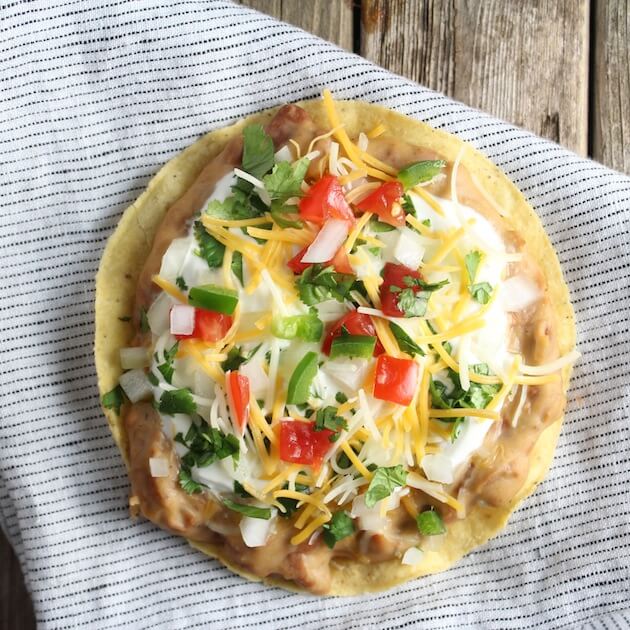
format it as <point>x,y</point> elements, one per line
<point>96,96</point>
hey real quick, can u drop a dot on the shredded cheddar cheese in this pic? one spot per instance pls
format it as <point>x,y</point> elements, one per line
<point>447,341</point>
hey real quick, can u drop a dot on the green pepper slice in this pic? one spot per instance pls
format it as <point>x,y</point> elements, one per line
<point>306,327</point>
<point>360,346</point>
<point>298,391</point>
<point>213,298</point>
<point>420,172</point>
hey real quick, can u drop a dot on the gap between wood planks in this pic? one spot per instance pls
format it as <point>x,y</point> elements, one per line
<point>555,67</point>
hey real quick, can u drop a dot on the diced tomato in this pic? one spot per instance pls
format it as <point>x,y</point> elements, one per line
<point>237,387</point>
<point>325,199</point>
<point>395,380</point>
<point>394,276</point>
<point>209,326</point>
<point>340,262</point>
<point>301,444</point>
<point>381,203</point>
<point>356,324</point>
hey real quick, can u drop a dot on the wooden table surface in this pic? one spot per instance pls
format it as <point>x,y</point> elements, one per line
<point>559,68</point>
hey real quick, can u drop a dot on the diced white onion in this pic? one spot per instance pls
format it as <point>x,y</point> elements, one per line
<point>369,519</point>
<point>136,385</point>
<point>405,246</point>
<point>214,476</point>
<point>330,310</point>
<point>258,379</point>
<point>327,242</point>
<point>182,319</point>
<point>412,556</point>
<point>283,154</point>
<point>374,519</point>
<point>349,374</point>
<point>158,466</point>
<point>133,358</point>
<point>312,155</point>
<point>255,531</point>
<point>438,468</point>
<point>518,292</point>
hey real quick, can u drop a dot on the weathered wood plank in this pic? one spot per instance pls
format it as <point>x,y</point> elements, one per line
<point>331,20</point>
<point>16,611</point>
<point>610,118</point>
<point>525,62</point>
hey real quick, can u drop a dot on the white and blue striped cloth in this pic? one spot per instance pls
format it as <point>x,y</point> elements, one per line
<point>96,96</point>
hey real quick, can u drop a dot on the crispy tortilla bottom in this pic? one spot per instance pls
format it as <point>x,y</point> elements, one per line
<point>130,245</point>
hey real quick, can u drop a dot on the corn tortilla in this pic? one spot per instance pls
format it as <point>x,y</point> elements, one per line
<point>129,246</point>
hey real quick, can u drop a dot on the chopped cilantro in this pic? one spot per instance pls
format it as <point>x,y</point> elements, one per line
<point>472,260</point>
<point>181,283</point>
<point>144,321</point>
<point>114,399</point>
<point>478,395</point>
<point>209,248</point>
<point>339,527</point>
<point>237,206</point>
<point>285,216</point>
<point>258,151</point>
<point>187,483</point>
<point>413,299</point>
<point>166,368</point>
<point>327,418</point>
<point>456,429</point>
<point>290,505</point>
<point>405,342</point>
<point>341,398</point>
<point>285,180</point>
<point>318,284</point>
<point>481,292</point>
<point>205,445</point>
<point>153,379</point>
<point>383,483</point>
<point>237,266</point>
<point>177,401</point>
<point>378,226</point>
<point>408,207</point>
<point>248,510</point>
<point>235,359</point>
<point>240,491</point>
<point>437,389</point>
<point>126,318</point>
<point>343,461</point>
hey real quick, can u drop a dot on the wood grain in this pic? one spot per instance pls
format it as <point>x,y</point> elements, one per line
<point>610,118</point>
<point>328,19</point>
<point>525,62</point>
<point>16,610</point>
